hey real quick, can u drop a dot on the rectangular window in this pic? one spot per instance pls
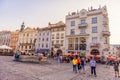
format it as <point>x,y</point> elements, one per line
<point>94,29</point>
<point>42,45</point>
<point>39,39</point>
<point>40,34</point>
<point>62,35</point>
<point>94,39</point>
<point>57,41</point>
<point>82,31</point>
<point>47,39</point>
<point>82,22</point>
<point>62,29</point>
<point>27,35</point>
<point>46,45</point>
<point>72,23</point>
<point>43,39</point>
<point>72,31</point>
<point>94,20</point>
<point>52,43</point>
<point>57,36</point>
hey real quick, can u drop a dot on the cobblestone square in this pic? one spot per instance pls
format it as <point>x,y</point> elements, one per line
<point>11,70</point>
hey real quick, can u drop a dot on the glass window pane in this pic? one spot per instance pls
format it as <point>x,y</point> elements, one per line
<point>94,20</point>
<point>72,23</point>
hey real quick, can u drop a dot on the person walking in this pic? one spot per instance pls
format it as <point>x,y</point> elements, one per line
<point>116,68</point>
<point>79,64</point>
<point>93,66</point>
<point>108,63</point>
<point>83,65</point>
<point>74,62</point>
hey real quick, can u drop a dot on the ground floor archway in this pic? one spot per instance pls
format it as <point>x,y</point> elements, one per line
<point>59,51</point>
<point>95,52</point>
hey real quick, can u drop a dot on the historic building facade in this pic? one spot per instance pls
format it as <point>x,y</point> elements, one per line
<point>14,39</point>
<point>114,50</point>
<point>43,43</point>
<point>27,39</point>
<point>5,37</point>
<point>57,37</point>
<point>88,31</point>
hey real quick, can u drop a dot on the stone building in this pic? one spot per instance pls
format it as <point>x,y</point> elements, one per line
<point>57,37</point>
<point>27,39</point>
<point>14,39</point>
<point>43,40</point>
<point>88,31</point>
<point>5,37</point>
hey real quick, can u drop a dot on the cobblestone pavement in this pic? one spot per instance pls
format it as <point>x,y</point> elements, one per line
<point>11,70</point>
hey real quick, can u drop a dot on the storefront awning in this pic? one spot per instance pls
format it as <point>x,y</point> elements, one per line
<point>42,50</point>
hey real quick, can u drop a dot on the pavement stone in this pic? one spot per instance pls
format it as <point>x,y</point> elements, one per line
<point>11,70</point>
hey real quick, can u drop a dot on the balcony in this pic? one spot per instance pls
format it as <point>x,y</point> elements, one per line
<point>57,45</point>
<point>94,44</point>
<point>24,44</point>
<point>105,23</point>
<point>105,33</point>
<point>82,25</point>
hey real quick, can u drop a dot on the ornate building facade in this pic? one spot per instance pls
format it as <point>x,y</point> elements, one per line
<point>14,39</point>
<point>43,40</point>
<point>27,39</point>
<point>88,31</point>
<point>57,37</point>
<point>5,37</point>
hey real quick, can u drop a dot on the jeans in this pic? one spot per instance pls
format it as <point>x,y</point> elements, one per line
<point>79,66</point>
<point>93,70</point>
<point>75,68</point>
<point>83,67</point>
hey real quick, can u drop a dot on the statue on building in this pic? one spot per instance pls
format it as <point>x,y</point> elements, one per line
<point>22,27</point>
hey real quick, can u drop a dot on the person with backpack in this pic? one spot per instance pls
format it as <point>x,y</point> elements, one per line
<point>93,66</point>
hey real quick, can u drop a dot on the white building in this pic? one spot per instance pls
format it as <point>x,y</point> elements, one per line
<point>57,37</point>
<point>44,40</point>
<point>5,37</point>
<point>88,30</point>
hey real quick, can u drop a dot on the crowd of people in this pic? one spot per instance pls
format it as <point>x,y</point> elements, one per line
<point>79,66</point>
<point>79,63</point>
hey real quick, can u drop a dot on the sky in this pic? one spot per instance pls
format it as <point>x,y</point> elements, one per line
<point>37,13</point>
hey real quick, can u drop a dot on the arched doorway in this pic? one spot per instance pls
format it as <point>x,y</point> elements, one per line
<point>59,51</point>
<point>95,52</point>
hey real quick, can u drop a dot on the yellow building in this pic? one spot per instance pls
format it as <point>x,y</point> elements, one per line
<point>27,39</point>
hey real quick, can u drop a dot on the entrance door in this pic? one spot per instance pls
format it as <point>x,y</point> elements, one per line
<point>95,52</point>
